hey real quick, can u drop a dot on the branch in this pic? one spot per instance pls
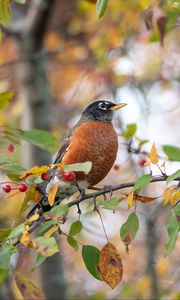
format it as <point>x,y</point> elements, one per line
<point>111,189</point>
<point>82,197</point>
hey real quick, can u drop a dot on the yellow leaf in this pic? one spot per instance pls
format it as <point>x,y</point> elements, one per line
<point>153,155</point>
<point>33,218</point>
<point>51,231</point>
<point>59,165</point>
<point>166,196</point>
<point>35,171</point>
<point>130,199</point>
<point>175,196</point>
<point>110,265</point>
<point>171,195</point>
<point>25,238</point>
<point>52,194</point>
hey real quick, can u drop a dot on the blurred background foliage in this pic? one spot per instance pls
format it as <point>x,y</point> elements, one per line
<point>56,57</point>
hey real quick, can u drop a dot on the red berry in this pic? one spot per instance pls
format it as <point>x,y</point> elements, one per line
<point>22,187</point>
<point>45,176</point>
<point>11,148</point>
<point>69,176</point>
<point>142,161</point>
<point>116,167</point>
<point>7,188</point>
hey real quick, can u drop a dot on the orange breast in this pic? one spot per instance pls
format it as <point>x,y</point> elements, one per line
<point>96,142</point>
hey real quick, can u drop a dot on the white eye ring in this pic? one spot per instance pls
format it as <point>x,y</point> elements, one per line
<point>102,105</point>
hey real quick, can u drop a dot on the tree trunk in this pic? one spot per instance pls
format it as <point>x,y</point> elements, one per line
<point>36,101</point>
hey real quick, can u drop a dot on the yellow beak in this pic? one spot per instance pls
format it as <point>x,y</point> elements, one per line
<point>118,106</point>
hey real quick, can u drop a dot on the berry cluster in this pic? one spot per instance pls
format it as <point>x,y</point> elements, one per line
<point>22,188</point>
<point>67,176</point>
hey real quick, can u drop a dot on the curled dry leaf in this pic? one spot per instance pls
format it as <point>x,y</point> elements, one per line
<point>110,265</point>
<point>143,199</point>
<point>27,288</point>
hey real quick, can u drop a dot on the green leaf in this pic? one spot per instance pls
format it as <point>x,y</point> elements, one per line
<point>129,131</point>
<point>172,229</point>
<point>41,138</point>
<point>58,210</point>
<point>101,6</point>
<point>173,176</point>
<point>46,226</point>
<point>13,177</point>
<point>6,97</point>
<point>129,228</point>
<point>5,254</point>
<point>110,204</point>
<point>176,210</point>
<point>29,196</point>
<point>73,243</point>
<point>4,233</point>
<point>141,182</point>
<point>90,256</point>
<point>79,167</point>
<point>5,14</point>
<point>173,153</point>
<point>46,247</point>
<point>15,232</point>
<point>142,142</point>
<point>10,165</point>
<point>75,228</point>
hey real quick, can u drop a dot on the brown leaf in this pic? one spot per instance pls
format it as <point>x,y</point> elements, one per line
<point>153,155</point>
<point>27,288</point>
<point>148,18</point>
<point>161,25</point>
<point>110,265</point>
<point>52,194</point>
<point>143,199</point>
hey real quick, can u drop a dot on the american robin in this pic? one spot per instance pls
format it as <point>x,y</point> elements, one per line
<point>92,139</point>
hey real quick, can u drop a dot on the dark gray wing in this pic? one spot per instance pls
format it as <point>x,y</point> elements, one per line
<point>63,148</point>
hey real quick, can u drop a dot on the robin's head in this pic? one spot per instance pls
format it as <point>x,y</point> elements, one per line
<point>101,110</point>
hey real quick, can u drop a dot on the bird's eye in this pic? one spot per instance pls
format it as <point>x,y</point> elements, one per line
<point>102,106</point>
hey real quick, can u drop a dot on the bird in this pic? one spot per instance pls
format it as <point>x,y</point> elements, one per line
<point>92,139</point>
